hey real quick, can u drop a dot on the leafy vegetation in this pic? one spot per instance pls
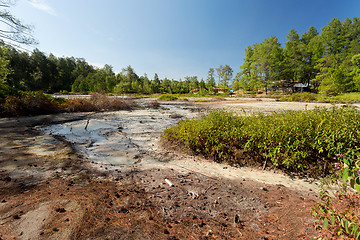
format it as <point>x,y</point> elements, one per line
<point>297,141</point>
<point>312,97</point>
<point>330,61</point>
<point>338,214</point>
<point>167,97</point>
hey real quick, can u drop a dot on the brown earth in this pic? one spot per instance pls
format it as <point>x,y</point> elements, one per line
<point>56,194</point>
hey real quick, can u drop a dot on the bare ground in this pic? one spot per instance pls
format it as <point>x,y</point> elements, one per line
<point>49,191</point>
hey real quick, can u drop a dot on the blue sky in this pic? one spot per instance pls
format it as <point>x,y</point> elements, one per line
<point>174,38</point>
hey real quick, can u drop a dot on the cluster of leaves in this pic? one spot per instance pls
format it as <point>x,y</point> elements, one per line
<point>330,61</point>
<point>339,213</point>
<point>167,97</point>
<point>290,140</point>
<point>36,103</point>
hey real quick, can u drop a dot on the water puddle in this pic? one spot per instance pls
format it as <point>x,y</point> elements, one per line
<point>123,137</point>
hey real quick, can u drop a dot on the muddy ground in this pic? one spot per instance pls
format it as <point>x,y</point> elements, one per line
<point>53,188</point>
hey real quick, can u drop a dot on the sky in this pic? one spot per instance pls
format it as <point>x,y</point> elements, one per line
<point>173,38</point>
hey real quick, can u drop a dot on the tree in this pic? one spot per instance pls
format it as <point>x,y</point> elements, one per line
<point>312,51</point>
<point>210,81</point>
<point>266,61</point>
<point>355,73</point>
<point>340,43</point>
<point>155,84</point>
<point>5,69</point>
<point>226,76</point>
<point>16,32</point>
<point>293,57</point>
<point>219,72</point>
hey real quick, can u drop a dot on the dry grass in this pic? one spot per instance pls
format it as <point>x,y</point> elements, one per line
<point>39,103</point>
<point>98,102</point>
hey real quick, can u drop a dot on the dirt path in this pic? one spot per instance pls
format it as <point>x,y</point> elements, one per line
<point>48,190</point>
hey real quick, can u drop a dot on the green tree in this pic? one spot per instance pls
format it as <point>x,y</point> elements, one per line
<point>226,76</point>
<point>293,57</point>
<point>312,51</point>
<point>210,81</point>
<point>5,69</point>
<point>155,84</point>
<point>267,61</point>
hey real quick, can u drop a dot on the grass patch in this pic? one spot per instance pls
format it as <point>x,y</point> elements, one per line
<point>313,97</point>
<point>303,141</point>
<point>300,97</point>
<point>167,97</point>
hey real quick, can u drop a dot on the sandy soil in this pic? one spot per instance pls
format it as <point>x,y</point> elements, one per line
<point>55,187</point>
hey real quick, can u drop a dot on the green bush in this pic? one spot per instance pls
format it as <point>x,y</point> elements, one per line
<point>300,97</point>
<point>290,140</point>
<point>167,97</point>
<point>6,90</point>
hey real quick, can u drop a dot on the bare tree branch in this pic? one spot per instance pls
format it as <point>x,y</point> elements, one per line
<point>17,32</point>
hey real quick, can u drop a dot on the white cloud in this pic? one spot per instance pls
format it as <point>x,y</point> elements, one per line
<point>43,6</point>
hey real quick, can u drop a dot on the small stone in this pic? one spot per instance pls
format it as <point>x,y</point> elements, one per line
<point>264,189</point>
<point>166,231</point>
<point>55,229</point>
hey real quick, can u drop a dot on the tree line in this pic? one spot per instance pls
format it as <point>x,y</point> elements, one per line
<point>329,60</point>
<point>37,71</point>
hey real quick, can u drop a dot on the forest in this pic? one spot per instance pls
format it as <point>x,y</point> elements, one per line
<point>329,62</point>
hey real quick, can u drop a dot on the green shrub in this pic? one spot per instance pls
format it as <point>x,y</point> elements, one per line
<point>300,97</point>
<point>291,140</point>
<point>6,90</point>
<point>167,97</point>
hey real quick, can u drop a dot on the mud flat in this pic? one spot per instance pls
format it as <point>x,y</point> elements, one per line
<point>106,176</point>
